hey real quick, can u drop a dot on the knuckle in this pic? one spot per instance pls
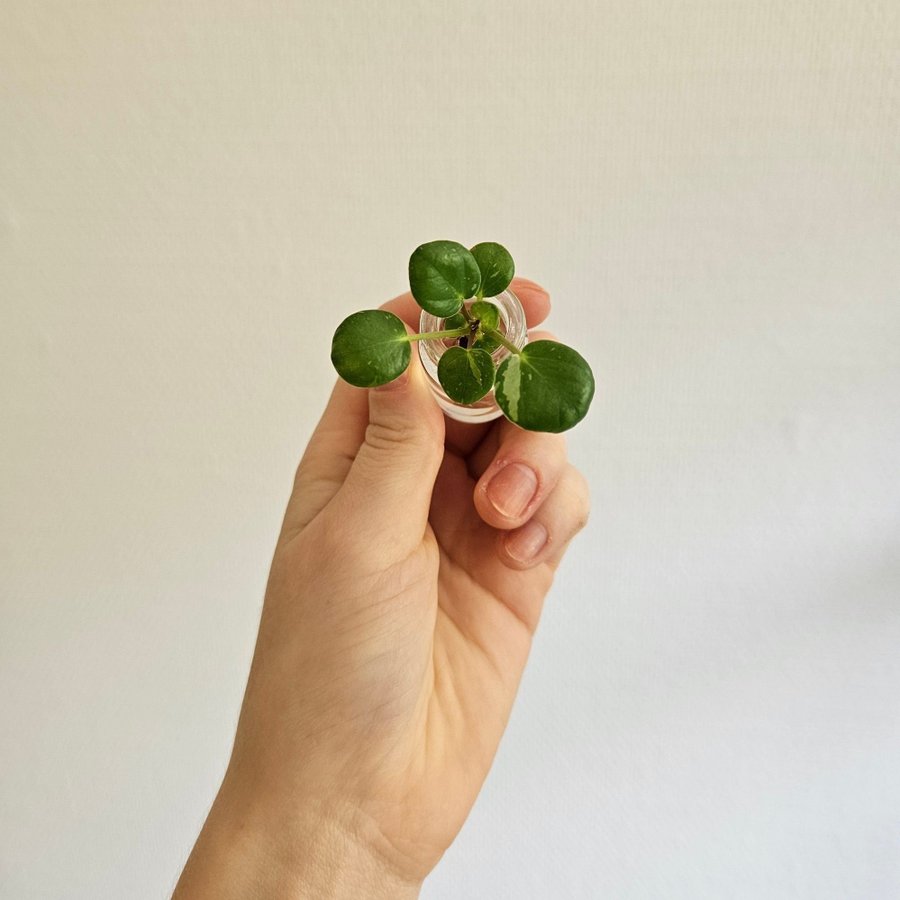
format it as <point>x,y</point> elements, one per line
<point>580,499</point>
<point>387,435</point>
<point>398,436</point>
<point>557,451</point>
<point>301,473</point>
<point>552,446</point>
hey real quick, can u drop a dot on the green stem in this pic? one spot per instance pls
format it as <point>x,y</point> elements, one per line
<point>502,340</point>
<point>466,314</point>
<point>438,335</point>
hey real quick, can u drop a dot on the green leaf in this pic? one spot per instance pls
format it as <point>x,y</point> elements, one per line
<point>466,375</point>
<point>486,313</point>
<point>489,317</point>
<point>457,320</point>
<point>496,265</point>
<point>486,343</point>
<point>370,348</point>
<point>441,275</point>
<point>546,387</point>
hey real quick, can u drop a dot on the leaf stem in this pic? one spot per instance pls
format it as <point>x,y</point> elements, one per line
<point>492,332</point>
<point>437,335</point>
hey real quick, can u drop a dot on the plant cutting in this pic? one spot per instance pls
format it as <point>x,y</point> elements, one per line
<point>542,386</point>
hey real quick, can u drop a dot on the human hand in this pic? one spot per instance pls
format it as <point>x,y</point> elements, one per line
<point>405,589</point>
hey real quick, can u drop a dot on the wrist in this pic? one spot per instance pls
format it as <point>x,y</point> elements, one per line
<point>247,851</point>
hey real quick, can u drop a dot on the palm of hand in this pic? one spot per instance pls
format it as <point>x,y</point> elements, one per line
<point>485,614</point>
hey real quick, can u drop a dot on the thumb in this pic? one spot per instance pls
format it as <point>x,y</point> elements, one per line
<point>387,492</point>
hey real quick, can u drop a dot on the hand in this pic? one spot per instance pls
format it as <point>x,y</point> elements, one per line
<point>405,589</point>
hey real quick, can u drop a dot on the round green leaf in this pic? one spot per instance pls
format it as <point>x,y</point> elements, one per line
<point>457,320</point>
<point>546,387</point>
<point>486,313</point>
<point>496,266</point>
<point>441,275</point>
<point>370,348</point>
<point>486,342</point>
<point>466,375</point>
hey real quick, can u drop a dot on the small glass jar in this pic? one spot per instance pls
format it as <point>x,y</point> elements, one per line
<point>512,326</point>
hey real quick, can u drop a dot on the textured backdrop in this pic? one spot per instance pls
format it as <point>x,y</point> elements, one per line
<point>194,194</point>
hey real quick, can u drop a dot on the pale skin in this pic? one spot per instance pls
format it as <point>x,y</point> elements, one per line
<point>404,593</point>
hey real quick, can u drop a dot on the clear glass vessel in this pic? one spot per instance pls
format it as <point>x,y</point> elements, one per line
<point>512,327</point>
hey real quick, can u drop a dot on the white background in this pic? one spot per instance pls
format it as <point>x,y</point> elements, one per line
<point>194,194</point>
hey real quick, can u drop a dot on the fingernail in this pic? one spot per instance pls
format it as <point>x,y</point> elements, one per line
<point>524,544</point>
<point>512,489</point>
<point>527,282</point>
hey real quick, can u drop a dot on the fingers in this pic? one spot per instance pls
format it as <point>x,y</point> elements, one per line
<point>535,300</point>
<point>545,536</point>
<point>524,470</point>
<point>328,456</point>
<point>385,497</point>
<point>342,429</point>
<point>506,442</point>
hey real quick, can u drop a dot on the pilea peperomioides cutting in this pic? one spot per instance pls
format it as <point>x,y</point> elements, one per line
<point>543,386</point>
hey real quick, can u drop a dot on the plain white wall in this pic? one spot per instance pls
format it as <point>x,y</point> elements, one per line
<point>193,195</point>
